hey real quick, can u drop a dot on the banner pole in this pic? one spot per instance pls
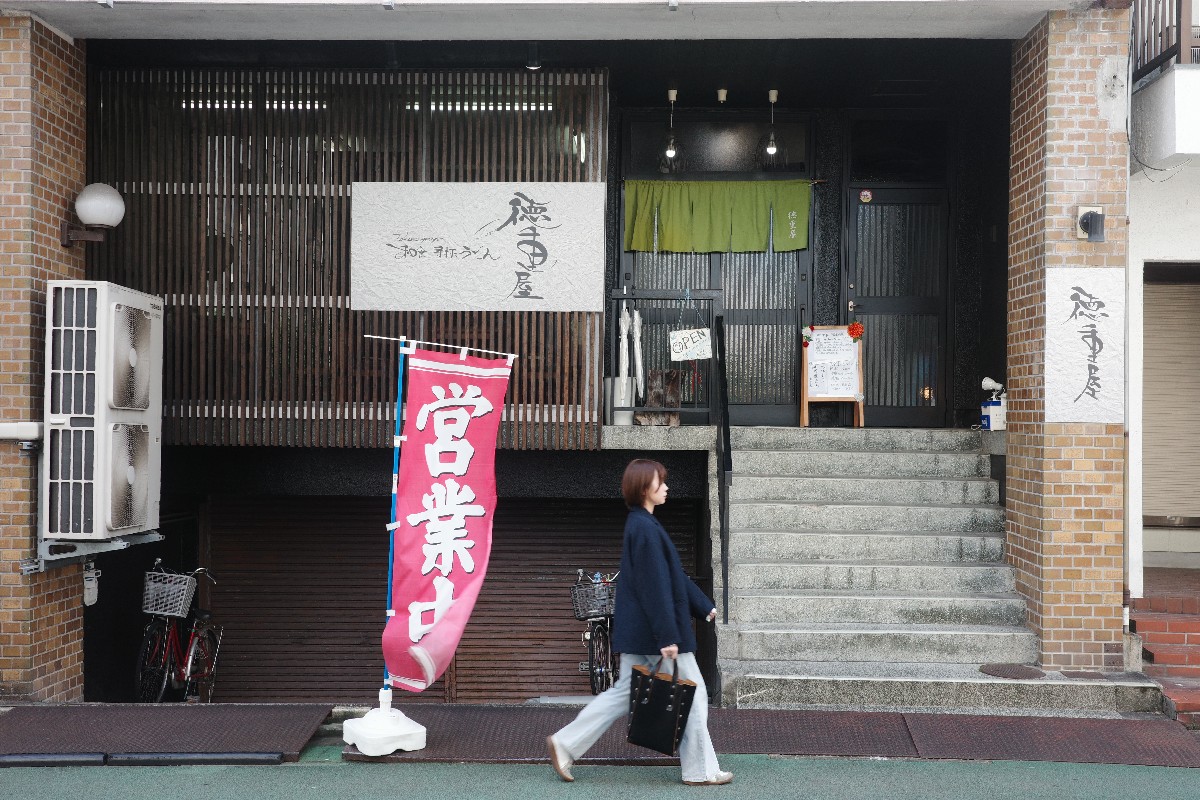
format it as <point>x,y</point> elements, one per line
<point>385,729</point>
<point>396,440</point>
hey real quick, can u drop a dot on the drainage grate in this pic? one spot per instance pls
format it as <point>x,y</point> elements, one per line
<point>156,731</point>
<point>1160,743</point>
<point>1012,671</point>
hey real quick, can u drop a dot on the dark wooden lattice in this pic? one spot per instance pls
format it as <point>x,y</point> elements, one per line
<point>237,186</point>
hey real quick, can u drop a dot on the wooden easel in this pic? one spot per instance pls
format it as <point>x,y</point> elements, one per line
<point>805,398</point>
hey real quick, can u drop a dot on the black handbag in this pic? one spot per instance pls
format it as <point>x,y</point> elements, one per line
<point>659,705</point>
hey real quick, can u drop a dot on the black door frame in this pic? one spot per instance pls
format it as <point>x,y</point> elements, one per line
<point>849,200</point>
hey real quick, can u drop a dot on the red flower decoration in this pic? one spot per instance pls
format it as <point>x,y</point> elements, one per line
<point>805,343</point>
<point>855,330</point>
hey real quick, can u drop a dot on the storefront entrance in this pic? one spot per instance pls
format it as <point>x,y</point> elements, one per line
<point>896,288</point>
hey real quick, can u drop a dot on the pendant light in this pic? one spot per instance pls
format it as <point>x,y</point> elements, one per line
<point>670,151</point>
<point>772,148</point>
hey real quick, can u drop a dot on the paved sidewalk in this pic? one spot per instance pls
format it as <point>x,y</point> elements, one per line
<point>321,774</point>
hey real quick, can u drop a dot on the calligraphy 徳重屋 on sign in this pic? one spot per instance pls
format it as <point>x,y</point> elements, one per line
<point>500,246</point>
<point>1085,344</point>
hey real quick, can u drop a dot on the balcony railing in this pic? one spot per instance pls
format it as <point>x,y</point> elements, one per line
<point>1163,32</point>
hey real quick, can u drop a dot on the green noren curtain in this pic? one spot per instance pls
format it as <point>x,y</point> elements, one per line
<point>717,216</point>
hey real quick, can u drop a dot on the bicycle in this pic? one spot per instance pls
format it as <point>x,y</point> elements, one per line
<point>592,600</point>
<point>162,660</point>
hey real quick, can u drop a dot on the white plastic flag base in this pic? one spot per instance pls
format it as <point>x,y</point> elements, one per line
<point>383,730</point>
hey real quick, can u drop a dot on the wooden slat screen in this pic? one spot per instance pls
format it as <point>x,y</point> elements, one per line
<point>237,188</point>
<point>302,582</point>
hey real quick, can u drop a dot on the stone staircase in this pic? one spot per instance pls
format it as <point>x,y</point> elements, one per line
<point>867,570</point>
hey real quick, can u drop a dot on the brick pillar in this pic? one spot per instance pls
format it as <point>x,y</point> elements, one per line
<point>42,127</point>
<point>1065,502</point>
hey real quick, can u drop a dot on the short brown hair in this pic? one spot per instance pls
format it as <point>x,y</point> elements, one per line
<point>639,477</point>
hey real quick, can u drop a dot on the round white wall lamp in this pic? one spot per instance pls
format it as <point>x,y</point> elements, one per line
<point>97,206</point>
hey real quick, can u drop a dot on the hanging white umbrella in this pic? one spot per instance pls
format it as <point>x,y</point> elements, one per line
<point>623,354</point>
<point>639,375</point>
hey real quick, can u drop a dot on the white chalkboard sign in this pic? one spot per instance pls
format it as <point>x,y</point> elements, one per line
<point>832,370</point>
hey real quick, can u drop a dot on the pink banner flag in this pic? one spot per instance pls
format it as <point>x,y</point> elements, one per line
<point>445,499</point>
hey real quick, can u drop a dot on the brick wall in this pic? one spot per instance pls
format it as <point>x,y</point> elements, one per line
<point>42,111</point>
<point>1065,499</point>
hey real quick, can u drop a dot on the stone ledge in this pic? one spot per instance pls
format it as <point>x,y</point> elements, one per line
<point>658,437</point>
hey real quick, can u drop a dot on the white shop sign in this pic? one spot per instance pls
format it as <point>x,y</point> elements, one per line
<point>477,246</point>
<point>690,345</point>
<point>1085,344</point>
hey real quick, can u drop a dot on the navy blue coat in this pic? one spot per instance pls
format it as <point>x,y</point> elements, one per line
<point>655,598</point>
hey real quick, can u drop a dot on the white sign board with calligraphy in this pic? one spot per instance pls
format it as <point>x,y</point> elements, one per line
<point>477,246</point>
<point>1085,344</point>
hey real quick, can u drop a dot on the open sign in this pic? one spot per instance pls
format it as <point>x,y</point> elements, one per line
<point>690,345</point>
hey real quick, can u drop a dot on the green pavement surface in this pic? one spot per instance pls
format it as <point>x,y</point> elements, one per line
<point>322,774</point>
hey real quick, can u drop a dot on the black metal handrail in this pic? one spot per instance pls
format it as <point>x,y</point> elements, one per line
<point>720,415</point>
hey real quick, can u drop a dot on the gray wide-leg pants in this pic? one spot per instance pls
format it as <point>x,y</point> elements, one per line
<point>696,754</point>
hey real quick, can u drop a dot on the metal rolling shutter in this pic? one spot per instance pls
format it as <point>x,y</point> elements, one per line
<point>301,589</point>
<point>302,585</point>
<point>1170,408</point>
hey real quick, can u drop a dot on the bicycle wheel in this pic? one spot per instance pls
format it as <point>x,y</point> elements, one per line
<point>153,664</point>
<point>202,666</point>
<point>600,658</point>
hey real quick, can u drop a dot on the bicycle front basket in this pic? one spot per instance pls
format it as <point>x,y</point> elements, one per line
<point>591,600</point>
<point>168,595</point>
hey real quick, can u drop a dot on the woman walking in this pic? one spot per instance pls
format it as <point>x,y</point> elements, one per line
<point>654,606</point>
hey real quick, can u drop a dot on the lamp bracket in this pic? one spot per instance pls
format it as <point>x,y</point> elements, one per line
<point>74,233</point>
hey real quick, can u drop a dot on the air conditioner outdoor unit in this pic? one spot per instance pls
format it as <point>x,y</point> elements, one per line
<point>103,411</point>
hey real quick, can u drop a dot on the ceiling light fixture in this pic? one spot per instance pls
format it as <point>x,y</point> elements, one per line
<point>772,148</point>
<point>534,61</point>
<point>671,151</point>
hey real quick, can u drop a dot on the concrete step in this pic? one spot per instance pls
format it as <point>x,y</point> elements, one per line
<point>855,439</point>
<point>938,491</point>
<point>800,516</point>
<point>900,576</point>
<point>926,686</point>
<point>928,546</point>
<point>947,644</point>
<point>859,466</point>
<point>907,608</point>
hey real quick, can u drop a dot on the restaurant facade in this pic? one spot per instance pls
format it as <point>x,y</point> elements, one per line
<point>938,159</point>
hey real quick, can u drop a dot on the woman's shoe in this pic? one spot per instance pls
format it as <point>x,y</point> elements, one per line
<point>720,779</point>
<point>563,765</point>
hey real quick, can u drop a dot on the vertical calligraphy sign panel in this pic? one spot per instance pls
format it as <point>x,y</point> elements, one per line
<point>1085,345</point>
<point>445,501</point>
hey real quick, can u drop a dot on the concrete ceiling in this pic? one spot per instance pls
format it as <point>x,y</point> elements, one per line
<point>541,19</point>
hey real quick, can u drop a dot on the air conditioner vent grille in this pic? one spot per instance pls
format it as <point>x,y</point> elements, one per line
<point>71,460</point>
<point>73,352</point>
<point>130,449</point>
<point>131,364</point>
